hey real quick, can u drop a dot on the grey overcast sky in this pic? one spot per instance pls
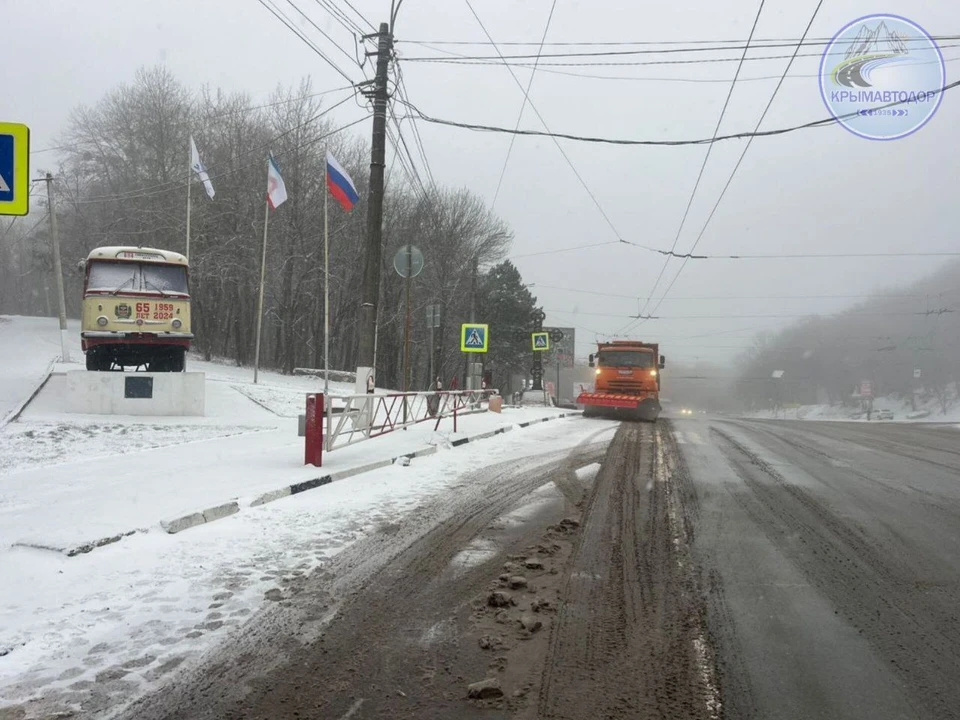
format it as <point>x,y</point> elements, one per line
<point>812,191</point>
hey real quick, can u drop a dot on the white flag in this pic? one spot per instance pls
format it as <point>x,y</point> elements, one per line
<point>276,190</point>
<point>199,168</point>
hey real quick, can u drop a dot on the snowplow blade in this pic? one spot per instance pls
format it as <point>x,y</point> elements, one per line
<point>606,400</point>
<point>619,406</point>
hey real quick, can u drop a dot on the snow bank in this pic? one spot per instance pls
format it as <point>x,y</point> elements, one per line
<point>901,410</point>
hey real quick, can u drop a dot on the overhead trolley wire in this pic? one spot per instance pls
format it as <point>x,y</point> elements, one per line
<point>523,105</point>
<point>706,158</point>
<point>743,154</point>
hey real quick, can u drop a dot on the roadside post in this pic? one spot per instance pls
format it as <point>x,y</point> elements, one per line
<point>866,396</point>
<point>408,262</point>
<point>433,322</point>
<point>778,401</point>
<point>313,440</point>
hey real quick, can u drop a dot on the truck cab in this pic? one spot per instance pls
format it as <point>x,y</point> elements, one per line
<point>626,380</point>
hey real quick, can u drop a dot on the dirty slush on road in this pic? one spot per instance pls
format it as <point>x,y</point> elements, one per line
<point>532,594</point>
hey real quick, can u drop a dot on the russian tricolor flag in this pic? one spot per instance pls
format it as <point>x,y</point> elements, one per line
<point>340,184</point>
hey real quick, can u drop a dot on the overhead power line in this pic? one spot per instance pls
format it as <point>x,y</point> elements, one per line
<point>360,15</point>
<point>790,42</point>
<point>563,250</point>
<point>706,158</point>
<point>523,105</point>
<point>743,154</point>
<point>320,30</point>
<point>674,79</point>
<point>749,45</point>
<point>872,296</point>
<point>841,313</point>
<point>660,143</point>
<point>288,23</point>
<point>546,127</point>
<point>469,61</point>
<point>340,16</point>
<point>402,92</point>
<point>758,256</point>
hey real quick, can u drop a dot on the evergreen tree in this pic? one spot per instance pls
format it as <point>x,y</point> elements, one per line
<point>505,304</point>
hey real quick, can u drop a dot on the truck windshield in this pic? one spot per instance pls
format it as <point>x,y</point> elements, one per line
<point>137,277</point>
<point>625,358</point>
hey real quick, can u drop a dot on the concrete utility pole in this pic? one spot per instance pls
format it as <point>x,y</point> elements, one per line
<point>369,298</point>
<point>57,268</point>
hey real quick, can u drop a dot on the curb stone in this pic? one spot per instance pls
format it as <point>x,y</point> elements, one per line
<point>82,548</point>
<point>220,511</point>
<point>18,409</point>
<point>422,452</point>
<point>186,522</point>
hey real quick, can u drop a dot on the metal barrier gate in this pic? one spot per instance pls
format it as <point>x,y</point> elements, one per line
<point>361,417</point>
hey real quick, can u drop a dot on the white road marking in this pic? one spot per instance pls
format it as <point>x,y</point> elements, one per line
<point>697,440</point>
<point>679,437</point>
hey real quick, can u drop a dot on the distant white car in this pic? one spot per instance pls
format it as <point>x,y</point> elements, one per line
<point>885,415</point>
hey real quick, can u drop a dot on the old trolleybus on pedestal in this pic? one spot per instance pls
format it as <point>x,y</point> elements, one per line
<point>136,309</point>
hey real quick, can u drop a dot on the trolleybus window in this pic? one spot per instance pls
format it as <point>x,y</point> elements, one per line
<point>137,277</point>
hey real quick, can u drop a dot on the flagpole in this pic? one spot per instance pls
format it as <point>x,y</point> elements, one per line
<point>189,184</point>
<point>326,289</point>
<point>263,268</point>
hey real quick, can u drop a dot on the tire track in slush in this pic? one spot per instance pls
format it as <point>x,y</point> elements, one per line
<point>390,590</point>
<point>630,639</point>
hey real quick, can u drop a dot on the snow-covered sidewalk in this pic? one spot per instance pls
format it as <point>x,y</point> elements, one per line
<point>83,500</point>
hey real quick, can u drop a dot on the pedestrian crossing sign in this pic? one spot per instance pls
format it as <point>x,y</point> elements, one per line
<point>474,338</point>
<point>14,169</point>
<point>541,341</point>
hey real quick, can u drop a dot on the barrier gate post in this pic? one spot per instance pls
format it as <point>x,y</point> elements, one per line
<point>313,442</point>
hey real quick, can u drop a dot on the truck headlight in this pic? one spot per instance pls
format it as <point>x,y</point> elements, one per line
<point>176,323</point>
<point>598,371</point>
<point>102,321</point>
<point>653,373</point>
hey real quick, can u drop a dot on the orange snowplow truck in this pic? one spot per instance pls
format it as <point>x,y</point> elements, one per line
<point>627,381</point>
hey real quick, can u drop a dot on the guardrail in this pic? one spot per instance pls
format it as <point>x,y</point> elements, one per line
<point>361,417</point>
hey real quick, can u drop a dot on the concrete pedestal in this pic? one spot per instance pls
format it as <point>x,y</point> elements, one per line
<point>120,393</point>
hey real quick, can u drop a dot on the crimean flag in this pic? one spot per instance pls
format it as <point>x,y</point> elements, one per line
<point>340,184</point>
<point>200,169</point>
<point>276,190</point>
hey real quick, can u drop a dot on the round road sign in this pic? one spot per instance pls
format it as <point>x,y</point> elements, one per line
<point>408,262</point>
